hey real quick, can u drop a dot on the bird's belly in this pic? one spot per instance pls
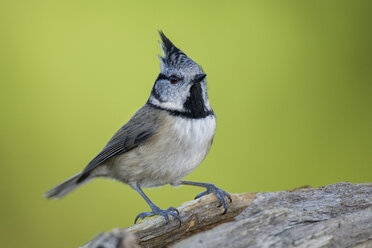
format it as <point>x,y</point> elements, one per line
<point>178,148</point>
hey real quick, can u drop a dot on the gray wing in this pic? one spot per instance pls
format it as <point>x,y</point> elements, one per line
<point>142,126</point>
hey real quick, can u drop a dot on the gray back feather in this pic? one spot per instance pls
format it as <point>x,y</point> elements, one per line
<point>141,127</point>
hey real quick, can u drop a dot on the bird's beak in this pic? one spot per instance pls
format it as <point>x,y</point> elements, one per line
<point>198,78</point>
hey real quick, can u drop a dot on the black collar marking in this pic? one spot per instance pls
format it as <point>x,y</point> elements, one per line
<point>181,113</point>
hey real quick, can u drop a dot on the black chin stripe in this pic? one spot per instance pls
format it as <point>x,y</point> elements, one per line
<point>183,114</point>
<point>195,101</point>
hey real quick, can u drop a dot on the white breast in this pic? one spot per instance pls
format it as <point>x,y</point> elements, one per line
<point>194,139</point>
<point>195,131</point>
<point>177,149</point>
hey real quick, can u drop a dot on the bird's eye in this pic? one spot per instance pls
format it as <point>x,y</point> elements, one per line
<point>173,79</point>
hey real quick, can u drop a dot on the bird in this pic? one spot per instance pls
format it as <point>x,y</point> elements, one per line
<point>164,141</point>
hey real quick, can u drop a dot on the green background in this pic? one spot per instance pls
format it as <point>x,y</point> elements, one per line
<point>290,82</point>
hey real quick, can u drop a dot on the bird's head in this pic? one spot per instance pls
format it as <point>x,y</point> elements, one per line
<point>181,84</point>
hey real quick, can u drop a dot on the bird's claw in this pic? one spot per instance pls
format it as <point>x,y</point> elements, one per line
<point>219,193</point>
<point>157,211</point>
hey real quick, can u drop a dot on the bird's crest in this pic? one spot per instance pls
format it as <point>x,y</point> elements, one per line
<point>172,56</point>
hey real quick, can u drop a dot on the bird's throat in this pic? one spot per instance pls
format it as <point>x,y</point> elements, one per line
<point>194,103</point>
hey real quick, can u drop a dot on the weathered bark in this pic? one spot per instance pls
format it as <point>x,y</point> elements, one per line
<point>338,215</point>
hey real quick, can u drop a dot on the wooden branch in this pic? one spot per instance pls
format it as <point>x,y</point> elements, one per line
<point>196,216</point>
<point>338,215</point>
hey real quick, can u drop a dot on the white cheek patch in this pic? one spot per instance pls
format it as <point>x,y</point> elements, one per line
<point>171,98</point>
<point>166,105</point>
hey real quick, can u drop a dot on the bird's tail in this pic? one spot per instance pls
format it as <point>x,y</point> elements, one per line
<point>65,187</point>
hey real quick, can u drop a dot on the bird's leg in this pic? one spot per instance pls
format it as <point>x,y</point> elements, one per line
<point>155,209</point>
<point>211,188</point>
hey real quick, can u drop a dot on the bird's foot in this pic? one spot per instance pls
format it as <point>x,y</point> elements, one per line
<point>157,211</point>
<point>219,193</point>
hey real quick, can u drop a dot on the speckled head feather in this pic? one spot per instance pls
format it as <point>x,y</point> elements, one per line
<point>173,56</point>
<point>167,46</point>
<point>180,87</point>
